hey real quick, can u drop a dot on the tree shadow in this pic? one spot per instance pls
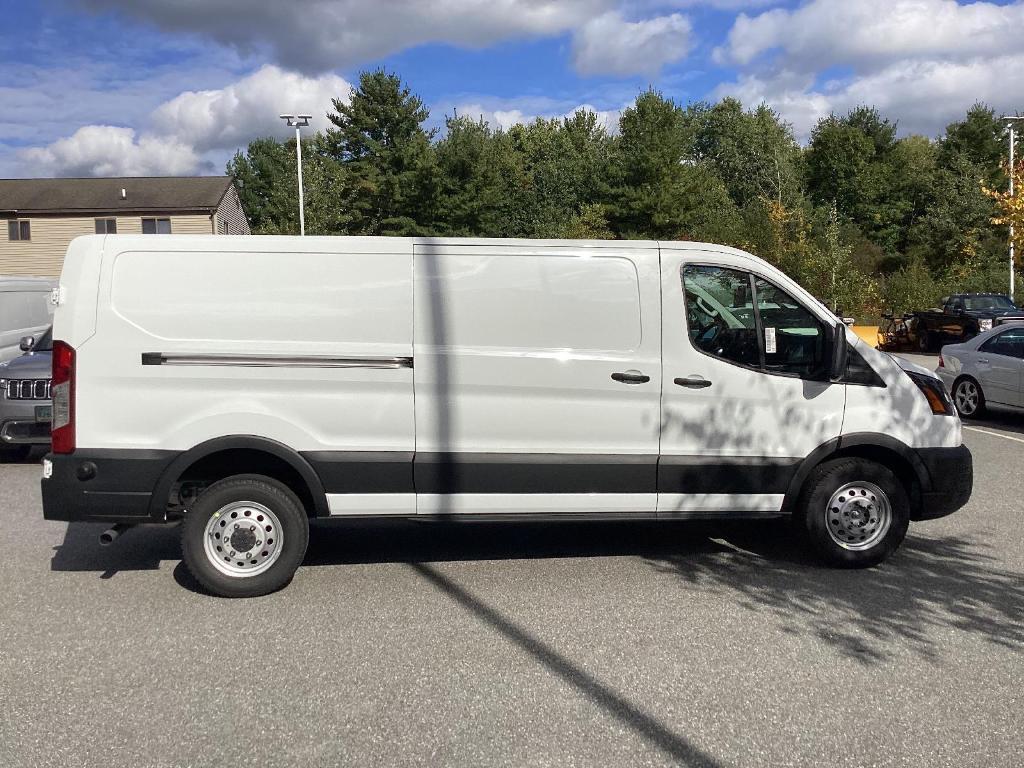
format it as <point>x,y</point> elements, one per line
<point>999,418</point>
<point>929,587</point>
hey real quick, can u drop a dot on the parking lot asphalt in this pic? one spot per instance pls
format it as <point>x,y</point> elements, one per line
<point>542,645</point>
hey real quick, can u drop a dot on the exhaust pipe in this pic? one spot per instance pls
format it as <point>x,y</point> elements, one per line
<point>111,535</point>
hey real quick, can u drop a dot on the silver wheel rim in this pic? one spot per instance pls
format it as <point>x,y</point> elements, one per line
<point>967,397</point>
<point>243,539</point>
<point>858,516</point>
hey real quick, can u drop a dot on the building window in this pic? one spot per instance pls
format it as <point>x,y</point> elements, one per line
<point>106,226</point>
<point>222,227</point>
<point>156,226</point>
<point>19,230</point>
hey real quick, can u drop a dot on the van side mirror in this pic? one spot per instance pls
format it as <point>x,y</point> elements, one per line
<point>27,342</point>
<point>837,367</point>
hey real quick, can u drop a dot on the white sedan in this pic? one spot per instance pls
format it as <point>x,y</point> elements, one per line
<point>987,370</point>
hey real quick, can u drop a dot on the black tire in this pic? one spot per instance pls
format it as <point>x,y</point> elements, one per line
<point>925,342</point>
<point>813,512</point>
<point>14,453</point>
<point>961,400</point>
<point>267,492</point>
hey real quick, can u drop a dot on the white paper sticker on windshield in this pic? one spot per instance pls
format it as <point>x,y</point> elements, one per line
<point>769,341</point>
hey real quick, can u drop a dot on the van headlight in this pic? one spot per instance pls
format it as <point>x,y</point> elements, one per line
<point>985,325</point>
<point>934,392</point>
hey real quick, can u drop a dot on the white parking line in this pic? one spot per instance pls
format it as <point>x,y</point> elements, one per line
<point>995,434</point>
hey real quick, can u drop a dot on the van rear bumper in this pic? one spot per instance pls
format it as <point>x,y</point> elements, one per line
<point>110,486</point>
<point>951,471</point>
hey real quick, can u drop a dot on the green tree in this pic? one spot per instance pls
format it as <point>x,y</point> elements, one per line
<point>832,275</point>
<point>979,138</point>
<point>379,139</point>
<point>657,191</point>
<point>472,199</point>
<point>956,225</point>
<point>753,153</point>
<point>267,185</point>
<point>857,163</point>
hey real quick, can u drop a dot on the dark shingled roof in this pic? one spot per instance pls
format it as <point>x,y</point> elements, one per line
<point>143,193</point>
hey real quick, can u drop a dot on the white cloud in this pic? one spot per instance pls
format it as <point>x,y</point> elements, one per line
<point>107,150</point>
<point>872,33</point>
<point>229,117</point>
<point>921,62</point>
<point>506,113</point>
<point>187,127</point>
<point>924,96</point>
<point>320,35</point>
<point>609,44</point>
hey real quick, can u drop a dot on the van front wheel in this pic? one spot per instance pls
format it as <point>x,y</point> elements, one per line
<point>854,512</point>
<point>245,536</point>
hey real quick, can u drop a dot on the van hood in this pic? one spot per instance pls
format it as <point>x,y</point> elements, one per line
<point>906,365</point>
<point>34,365</point>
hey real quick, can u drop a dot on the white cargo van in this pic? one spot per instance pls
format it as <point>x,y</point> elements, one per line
<point>243,385</point>
<point>25,310</point>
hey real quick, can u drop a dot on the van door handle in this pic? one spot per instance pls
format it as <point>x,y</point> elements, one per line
<point>631,377</point>
<point>693,382</point>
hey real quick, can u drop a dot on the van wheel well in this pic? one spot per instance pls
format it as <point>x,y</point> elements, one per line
<point>890,459</point>
<point>237,461</point>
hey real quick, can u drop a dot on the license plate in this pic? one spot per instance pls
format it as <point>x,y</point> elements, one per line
<point>44,413</point>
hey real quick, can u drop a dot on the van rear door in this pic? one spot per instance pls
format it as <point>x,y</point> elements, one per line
<point>538,378</point>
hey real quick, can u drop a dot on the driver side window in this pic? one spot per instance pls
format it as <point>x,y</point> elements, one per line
<point>744,319</point>
<point>720,314</point>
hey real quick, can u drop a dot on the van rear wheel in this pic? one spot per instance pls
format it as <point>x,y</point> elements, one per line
<point>245,536</point>
<point>854,512</point>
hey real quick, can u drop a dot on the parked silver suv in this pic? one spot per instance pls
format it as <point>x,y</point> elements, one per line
<point>25,406</point>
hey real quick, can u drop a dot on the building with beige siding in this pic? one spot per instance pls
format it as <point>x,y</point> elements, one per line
<point>42,216</point>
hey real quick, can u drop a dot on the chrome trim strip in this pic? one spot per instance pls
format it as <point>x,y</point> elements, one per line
<point>277,361</point>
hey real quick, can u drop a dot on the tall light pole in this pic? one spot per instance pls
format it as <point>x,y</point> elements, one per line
<point>1010,126</point>
<point>298,122</point>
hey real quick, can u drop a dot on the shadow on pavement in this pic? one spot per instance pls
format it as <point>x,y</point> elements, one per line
<point>138,549</point>
<point>605,697</point>
<point>928,588</point>
<point>997,418</point>
<point>930,584</point>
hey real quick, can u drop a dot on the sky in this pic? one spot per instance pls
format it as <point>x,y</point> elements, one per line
<point>174,87</point>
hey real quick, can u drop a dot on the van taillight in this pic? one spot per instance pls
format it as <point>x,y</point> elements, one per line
<point>62,430</point>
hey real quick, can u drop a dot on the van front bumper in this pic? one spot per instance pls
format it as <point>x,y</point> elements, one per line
<point>951,472</point>
<point>109,486</point>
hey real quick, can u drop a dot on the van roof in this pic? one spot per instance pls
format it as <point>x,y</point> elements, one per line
<point>373,244</point>
<point>239,241</point>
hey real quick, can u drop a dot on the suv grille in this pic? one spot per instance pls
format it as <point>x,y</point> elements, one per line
<point>28,389</point>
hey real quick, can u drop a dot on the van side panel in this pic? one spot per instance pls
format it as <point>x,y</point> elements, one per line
<point>516,348</point>
<point>307,343</point>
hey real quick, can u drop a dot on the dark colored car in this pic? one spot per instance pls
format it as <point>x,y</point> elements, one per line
<point>963,316</point>
<point>25,406</point>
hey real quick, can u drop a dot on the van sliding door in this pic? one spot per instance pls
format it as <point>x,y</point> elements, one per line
<point>537,379</point>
